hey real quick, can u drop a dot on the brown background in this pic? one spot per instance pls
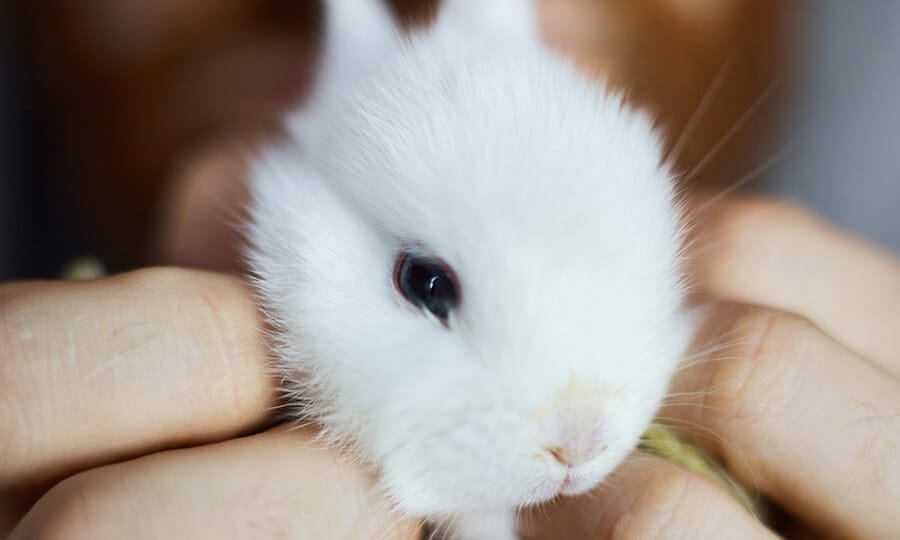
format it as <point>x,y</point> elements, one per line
<point>126,93</point>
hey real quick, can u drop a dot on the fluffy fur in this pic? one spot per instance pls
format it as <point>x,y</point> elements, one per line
<point>545,194</point>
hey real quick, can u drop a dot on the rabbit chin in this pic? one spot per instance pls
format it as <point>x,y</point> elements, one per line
<point>570,481</point>
<point>441,494</point>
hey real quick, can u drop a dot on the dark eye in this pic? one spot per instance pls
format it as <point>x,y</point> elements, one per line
<point>427,284</point>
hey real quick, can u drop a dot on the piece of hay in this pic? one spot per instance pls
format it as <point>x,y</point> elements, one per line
<point>664,442</point>
<point>84,269</point>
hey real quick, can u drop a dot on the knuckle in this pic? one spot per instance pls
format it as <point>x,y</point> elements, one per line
<point>653,512</point>
<point>156,277</point>
<point>216,311</point>
<point>211,318</point>
<point>165,282</point>
<point>752,384</point>
<point>228,321</point>
<point>197,290</point>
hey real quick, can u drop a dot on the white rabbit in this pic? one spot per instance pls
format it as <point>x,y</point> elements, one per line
<point>471,254</point>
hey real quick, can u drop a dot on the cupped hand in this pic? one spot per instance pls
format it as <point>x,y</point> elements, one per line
<point>134,407</point>
<point>131,395</point>
<point>794,385</point>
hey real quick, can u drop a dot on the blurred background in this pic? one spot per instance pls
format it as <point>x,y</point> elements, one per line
<point>124,122</point>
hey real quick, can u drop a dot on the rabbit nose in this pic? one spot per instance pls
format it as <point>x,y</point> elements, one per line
<point>570,457</point>
<point>574,440</point>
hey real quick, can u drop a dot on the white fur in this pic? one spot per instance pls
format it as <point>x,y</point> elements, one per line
<point>547,197</point>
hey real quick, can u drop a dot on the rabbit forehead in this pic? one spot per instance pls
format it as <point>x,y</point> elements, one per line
<point>514,136</point>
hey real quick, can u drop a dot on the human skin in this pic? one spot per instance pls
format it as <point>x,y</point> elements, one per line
<point>140,406</point>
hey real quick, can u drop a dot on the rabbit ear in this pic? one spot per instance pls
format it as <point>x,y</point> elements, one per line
<point>506,19</point>
<point>358,33</point>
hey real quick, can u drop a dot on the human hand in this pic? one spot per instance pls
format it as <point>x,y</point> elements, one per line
<point>800,397</point>
<point>133,393</point>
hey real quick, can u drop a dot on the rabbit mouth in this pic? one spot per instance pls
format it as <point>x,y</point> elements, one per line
<point>579,479</point>
<point>574,484</point>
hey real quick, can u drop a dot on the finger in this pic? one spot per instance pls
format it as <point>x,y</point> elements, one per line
<point>799,417</point>
<point>271,485</point>
<point>198,225</point>
<point>647,497</point>
<point>766,253</point>
<point>100,371</point>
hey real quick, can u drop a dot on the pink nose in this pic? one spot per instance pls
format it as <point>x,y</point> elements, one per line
<point>574,439</point>
<point>573,455</point>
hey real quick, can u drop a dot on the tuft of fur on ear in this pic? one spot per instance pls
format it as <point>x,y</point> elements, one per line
<point>358,35</point>
<point>511,20</point>
<point>357,32</point>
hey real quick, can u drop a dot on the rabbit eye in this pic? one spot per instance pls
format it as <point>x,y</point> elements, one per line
<point>426,283</point>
